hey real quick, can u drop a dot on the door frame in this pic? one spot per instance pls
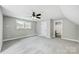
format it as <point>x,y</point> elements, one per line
<point>54,21</point>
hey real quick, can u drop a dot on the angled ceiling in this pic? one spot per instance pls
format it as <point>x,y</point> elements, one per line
<point>47,11</point>
<point>25,11</point>
<point>71,12</point>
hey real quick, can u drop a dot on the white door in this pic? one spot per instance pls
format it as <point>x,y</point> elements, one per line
<point>1,29</point>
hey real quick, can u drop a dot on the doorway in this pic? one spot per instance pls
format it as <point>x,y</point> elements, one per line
<point>58,28</point>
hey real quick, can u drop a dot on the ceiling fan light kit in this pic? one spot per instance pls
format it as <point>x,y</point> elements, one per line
<point>36,16</point>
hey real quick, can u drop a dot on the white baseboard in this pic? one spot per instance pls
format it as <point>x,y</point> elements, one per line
<point>71,39</point>
<point>74,40</point>
<point>19,37</point>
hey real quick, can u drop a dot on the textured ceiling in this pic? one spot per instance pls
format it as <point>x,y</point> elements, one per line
<point>25,11</point>
<point>71,12</point>
<point>47,11</point>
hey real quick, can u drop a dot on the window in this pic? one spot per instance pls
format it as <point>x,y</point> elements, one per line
<point>27,25</point>
<point>19,24</point>
<point>23,24</point>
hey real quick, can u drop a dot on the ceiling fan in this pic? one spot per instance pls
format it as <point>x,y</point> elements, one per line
<point>38,16</point>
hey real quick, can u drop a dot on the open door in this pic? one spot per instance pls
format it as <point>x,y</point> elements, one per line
<point>58,28</point>
<point>1,29</point>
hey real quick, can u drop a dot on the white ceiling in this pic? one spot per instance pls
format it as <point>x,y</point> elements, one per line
<point>47,11</point>
<point>71,12</point>
<point>25,11</point>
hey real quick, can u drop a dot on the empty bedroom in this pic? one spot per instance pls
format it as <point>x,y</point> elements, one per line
<point>39,29</point>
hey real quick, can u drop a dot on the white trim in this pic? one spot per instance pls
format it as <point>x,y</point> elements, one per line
<point>19,37</point>
<point>71,39</point>
<point>58,20</point>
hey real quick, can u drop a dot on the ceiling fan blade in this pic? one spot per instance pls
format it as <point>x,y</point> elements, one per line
<point>33,14</point>
<point>38,15</point>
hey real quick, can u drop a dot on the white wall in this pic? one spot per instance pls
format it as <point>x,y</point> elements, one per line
<point>25,11</point>
<point>1,28</point>
<point>69,29</point>
<point>44,28</point>
<point>77,32</point>
<point>52,28</point>
<point>10,31</point>
<point>48,12</point>
<point>38,27</point>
